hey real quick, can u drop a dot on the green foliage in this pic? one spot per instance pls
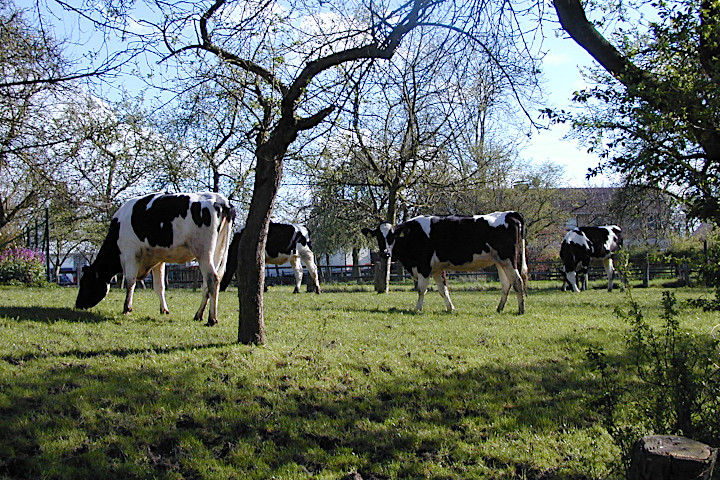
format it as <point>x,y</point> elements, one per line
<point>657,125</point>
<point>670,383</point>
<point>22,265</point>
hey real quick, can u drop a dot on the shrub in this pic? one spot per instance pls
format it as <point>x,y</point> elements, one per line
<point>22,265</point>
<point>670,384</point>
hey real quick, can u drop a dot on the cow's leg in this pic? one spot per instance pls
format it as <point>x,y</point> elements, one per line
<point>297,269</point>
<point>309,259</point>
<point>511,278</point>
<point>504,287</point>
<point>130,274</point>
<point>572,279</point>
<point>158,273</point>
<point>441,281</point>
<point>211,287</point>
<point>422,286</point>
<point>519,287</point>
<point>583,276</point>
<point>130,281</point>
<point>609,271</point>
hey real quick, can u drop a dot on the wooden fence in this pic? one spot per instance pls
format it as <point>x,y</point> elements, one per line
<point>188,276</point>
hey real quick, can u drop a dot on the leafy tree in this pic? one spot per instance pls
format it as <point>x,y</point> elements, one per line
<point>654,115</point>
<point>26,135</point>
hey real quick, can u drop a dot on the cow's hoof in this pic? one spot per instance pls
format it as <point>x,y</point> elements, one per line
<point>297,290</point>
<point>211,323</point>
<point>127,311</point>
<point>164,312</point>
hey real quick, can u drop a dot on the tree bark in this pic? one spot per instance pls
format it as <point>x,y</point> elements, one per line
<point>251,251</point>
<point>666,457</point>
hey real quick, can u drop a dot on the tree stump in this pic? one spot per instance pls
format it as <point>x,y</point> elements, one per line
<point>667,457</point>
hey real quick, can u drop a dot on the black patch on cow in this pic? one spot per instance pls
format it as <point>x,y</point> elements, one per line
<point>200,215</point>
<point>455,240</point>
<point>107,261</point>
<point>154,224</point>
<point>282,239</point>
<point>96,277</point>
<point>573,254</point>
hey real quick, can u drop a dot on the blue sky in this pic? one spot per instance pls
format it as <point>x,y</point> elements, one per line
<point>561,68</point>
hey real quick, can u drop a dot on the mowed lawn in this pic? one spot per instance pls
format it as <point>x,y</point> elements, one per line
<point>349,382</point>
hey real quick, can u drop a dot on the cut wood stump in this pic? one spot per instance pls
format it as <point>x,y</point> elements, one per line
<point>669,457</point>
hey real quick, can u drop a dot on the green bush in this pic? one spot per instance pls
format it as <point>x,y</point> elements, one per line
<point>22,265</point>
<point>673,382</point>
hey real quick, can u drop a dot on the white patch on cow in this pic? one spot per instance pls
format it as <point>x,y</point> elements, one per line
<point>385,229</point>
<point>495,219</point>
<point>577,238</point>
<point>424,222</point>
<point>302,230</point>
<point>279,260</point>
<point>479,260</point>
<point>611,243</point>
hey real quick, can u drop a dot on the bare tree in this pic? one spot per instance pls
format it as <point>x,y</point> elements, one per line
<point>299,61</point>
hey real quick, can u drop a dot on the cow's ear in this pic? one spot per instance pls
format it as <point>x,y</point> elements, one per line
<point>367,232</point>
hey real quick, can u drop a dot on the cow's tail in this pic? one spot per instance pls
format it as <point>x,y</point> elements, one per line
<point>227,215</point>
<point>520,253</point>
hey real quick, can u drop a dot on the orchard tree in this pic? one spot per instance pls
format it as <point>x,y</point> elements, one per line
<point>653,116</point>
<point>300,62</point>
<point>207,125</point>
<point>26,106</point>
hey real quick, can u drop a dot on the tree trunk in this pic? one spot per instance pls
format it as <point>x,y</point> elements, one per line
<point>665,457</point>
<point>251,252</point>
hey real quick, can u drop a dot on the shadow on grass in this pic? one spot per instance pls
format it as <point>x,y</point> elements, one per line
<point>113,352</point>
<point>53,314</point>
<point>383,421</point>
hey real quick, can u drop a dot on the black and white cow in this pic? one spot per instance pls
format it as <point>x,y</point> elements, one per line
<point>428,246</point>
<point>149,231</point>
<point>582,244</point>
<point>285,243</point>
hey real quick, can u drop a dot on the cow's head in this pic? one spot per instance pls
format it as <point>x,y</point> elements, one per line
<point>385,235</point>
<point>92,288</point>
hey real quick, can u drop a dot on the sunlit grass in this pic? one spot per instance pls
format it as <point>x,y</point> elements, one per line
<point>349,381</point>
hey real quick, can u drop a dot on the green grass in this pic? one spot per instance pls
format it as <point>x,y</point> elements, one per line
<point>350,381</point>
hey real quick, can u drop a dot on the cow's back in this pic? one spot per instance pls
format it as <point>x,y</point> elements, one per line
<point>182,222</point>
<point>460,240</point>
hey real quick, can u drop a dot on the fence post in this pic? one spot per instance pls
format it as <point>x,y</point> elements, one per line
<point>685,273</point>
<point>646,269</point>
<point>46,244</point>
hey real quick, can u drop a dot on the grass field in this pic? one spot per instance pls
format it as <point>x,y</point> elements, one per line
<point>349,381</point>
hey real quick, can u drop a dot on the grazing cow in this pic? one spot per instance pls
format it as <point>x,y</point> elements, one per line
<point>285,243</point>
<point>148,231</point>
<point>430,246</point>
<point>584,243</point>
